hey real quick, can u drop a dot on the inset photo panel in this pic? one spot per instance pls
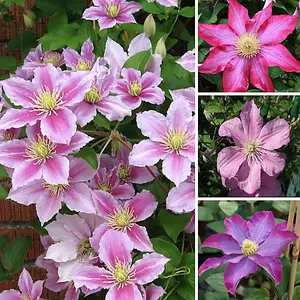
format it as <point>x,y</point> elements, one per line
<point>249,146</point>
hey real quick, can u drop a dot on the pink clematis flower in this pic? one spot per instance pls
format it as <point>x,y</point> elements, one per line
<point>29,290</point>
<point>37,157</point>
<point>187,94</point>
<point>172,139</point>
<point>246,246</point>
<point>111,12</point>
<point>166,3</point>
<point>46,98</point>
<point>248,47</point>
<point>134,88</point>
<point>49,198</point>
<point>254,148</point>
<point>187,61</point>
<point>98,99</point>
<point>190,227</point>
<point>124,217</point>
<point>120,276</point>
<point>152,292</point>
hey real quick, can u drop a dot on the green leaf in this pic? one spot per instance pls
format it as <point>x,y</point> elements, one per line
<point>296,295</point>
<point>282,206</point>
<point>261,294</point>
<point>50,7</point>
<point>216,281</point>
<point>214,107</point>
<point>76,6</point>
<point>138,61</point>
<point>13,255</point>
<point>3,172</point>
<point>188,11</point>
<point>89,155</point>
<point>229,207</point>
<point>57,20</point>
<point>19,2</point>
<point>8,63</point>
<point>3,241</point>
<point>216,296</point>
<point>173,224</point>
<point>286,270</point>
<point>102,121</point>
<point>205,214</point>
<point>217,226</point>
<point>25,41</point>
<point>163,246</point>
<point>3,193</point>
<point>151,8</point>
<point>4,275</point>
<point>297,280</point>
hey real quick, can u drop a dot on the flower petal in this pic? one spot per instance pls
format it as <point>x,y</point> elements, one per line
<point>153,95</point>
<point>260,18</point>
<point>114,54</point>
<point>128,292</point>
<point>141,175</point>
<point>71,58</point>
<point>46,77</point>
<point>149,80</point>
<point>273,162</point>
<point>62,251</point>
<point>12,153</point>
<point>237,227</point>
<point>25,282</point>
<point>37,289</point>
<point>187,94</point>
<point>140,239</point>
<point>87,50</point>
<point>233,128</point>
<point>154,292</point>
<point>140,43</point>
<point>123,191</point>
<point>84,112</point>
<point>237,17</point>
<point>92,13</point>
<point>80,170</point>
<point>10,295</point>
<point>56,170</point>
<point>105,203</point>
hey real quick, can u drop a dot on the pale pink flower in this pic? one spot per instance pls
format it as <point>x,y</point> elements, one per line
<point>166,3</point>
<point>28,289</point>
<point>135,88</point>
<point>108,13</point>
<point>187,94</point>
<point>124,217</point>
<point>120,276</point>
<point>188,61</point>
<point>37,157</point>
<point>152,292</point>
<point>46,98</point>
<point>171,139</point>
<point>253,152</point>
<point>190,227</point>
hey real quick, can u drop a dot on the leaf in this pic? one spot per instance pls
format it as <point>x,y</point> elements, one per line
<point>19,2</point>
<point>173,224</point>
<point>26,40</point>
<point>296,293</point>
<point>138,61</point>
<point>214,107</point>
<point>217,226</point>
<point>89,155</point>
<point>282,206</point>
<point>216,296</point>
<point>204,214</point>
<point>152,8</point>
<point>4,275</point>
<point>229,207</point>
<point>57,20</point>
<point>102,121</point>
<point>286,270</point>
<point>76,6</point>
<point>216,281</point>
<point>50,7</point>
<point>188,11</point>
<point>13,255</point>
<point>3,193</point>
<point>261,294</point>
<point>8,63</point>
<point>3,241</point>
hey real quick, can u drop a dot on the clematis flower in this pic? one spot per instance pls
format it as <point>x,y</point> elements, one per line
<point>171,139</point>
<point>167,3</point>
<point>98,99</point>
<point>248,245</point>
<point>187,61</point>
<point>37,157</point>
<point>108,13</point>
<point>49,197</point>
<point>248,47</point>
<point>152,292</point>
<point>9,134</point>
<point>187,94</point>
<point>134,88</point>
<point>254,148</point>
<point>46,98</point>
<point>29,290</point>
<point>72,248</point>
<point>190,227</point>
<point>124,217</point>
<point>120,276</point>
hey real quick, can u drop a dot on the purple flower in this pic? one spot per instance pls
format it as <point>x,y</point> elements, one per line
<point>134,88</point>
<point>49,197</point>
<point>187,61</point>
<point>172,139</point>
<point>124,217</point>
<point>248,245</point>
<point>253,152</point>
<point>29,290</point>
<point>120,276</point>
<point>46,98</point>
<point>37,157</point>
<point>111,12</point>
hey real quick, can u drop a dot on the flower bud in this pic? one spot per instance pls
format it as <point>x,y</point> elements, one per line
<point>115,144</point>
<point>161,48</point>
<point>29,18</point>
<point>149,26</point>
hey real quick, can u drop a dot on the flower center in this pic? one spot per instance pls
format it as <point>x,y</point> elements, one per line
<point>121,219</point>
<point>40,150</point>
<point>85,248</point>
<point>25,297</point>
<point>135,88</point>
<point>124,171</point>
<point>105,188</point>
<point>249,247</point>
<point>175,140</point>
<point>248,45</point>
<point>55,189</point>
<point>121,273</point>
<point>8,135</point>
<point>251,148</point>
<point>52,58</point>
<point>112,10</point>
<point>83,65</point>
<point>92,96</point>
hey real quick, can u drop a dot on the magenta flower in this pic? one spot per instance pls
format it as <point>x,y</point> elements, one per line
<point>187,61</point>
<point>167,3</point>
<point>37,157</point>
<point>187,94</point>
<point>134,88</point>
<point>120,276</point>
<point>248,47</point>
<point>29,290</point>
<point>124,217</point>
<point>108,13</point>
<point>98,99</point>
<point>49,198</point>
<point>172,139</point>
<point>254,148</point>
<point>246,246</point>
<point>46,98</point>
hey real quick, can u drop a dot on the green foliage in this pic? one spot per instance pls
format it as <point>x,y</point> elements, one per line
<point>89,155</point>
<point>138,61</point>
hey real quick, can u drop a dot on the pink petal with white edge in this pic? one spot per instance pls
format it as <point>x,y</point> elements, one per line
<point>181,200</point>
<point>187,94</point>
<point>233,128</point>
<point>10,295</point>
<point>115,245</point>
<point>143,205</point>
<point>149,80</point>
<point>273,162</point>
<point>46,77</point>
<point>47,205</point>
<point>146,153</point>
<point>56,170</point>
<point>114,54</point>
<point>87,50</point>
<point>128,292</point>
<point>140,239</point>
<point>105,203</point>
<point>37,289</point>
<point>97,236</point>
<point>140,43</point>
<point>237,227</point>
<point>154,292</point>
<point>80,170</point>
<point>62,251</point>
<point>153,95</point>
<point>237,17</point>
<point>60,126</point>
<point>176,168</point>
<point>25,173</point>
<point>12,153</point>
<point>123,191</point>
<point>149,267</point>
<point>84,112</point>
<point>71,58</point>
<point>152,124</point>
<point>131,74</point>
<point>25,282</point>
<point>142,175</point>
<point>92,13</point>
<point>187,61</point>
<point>153,64</point>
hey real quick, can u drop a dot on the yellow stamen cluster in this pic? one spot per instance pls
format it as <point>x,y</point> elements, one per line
<point>135,88</point>
<point>175,140</point>
<point>85,248</point>
<point>124,171</point>
<point>112,10</point>
<point>105,188</point>
<point>248,45</point>
<point>249,247</point>
<point>83,65</point>
<point>56,189</point>
<point>8,135</point>
<point>52,58</point>
<point>122,274</point>
<point>121,219</point>
<point>92,96</point>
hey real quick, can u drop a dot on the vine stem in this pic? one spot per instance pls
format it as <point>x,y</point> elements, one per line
<point>295,255</point>
<point>290,225</point>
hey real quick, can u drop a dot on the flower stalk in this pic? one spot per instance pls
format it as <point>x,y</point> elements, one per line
<point>290,224</point>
